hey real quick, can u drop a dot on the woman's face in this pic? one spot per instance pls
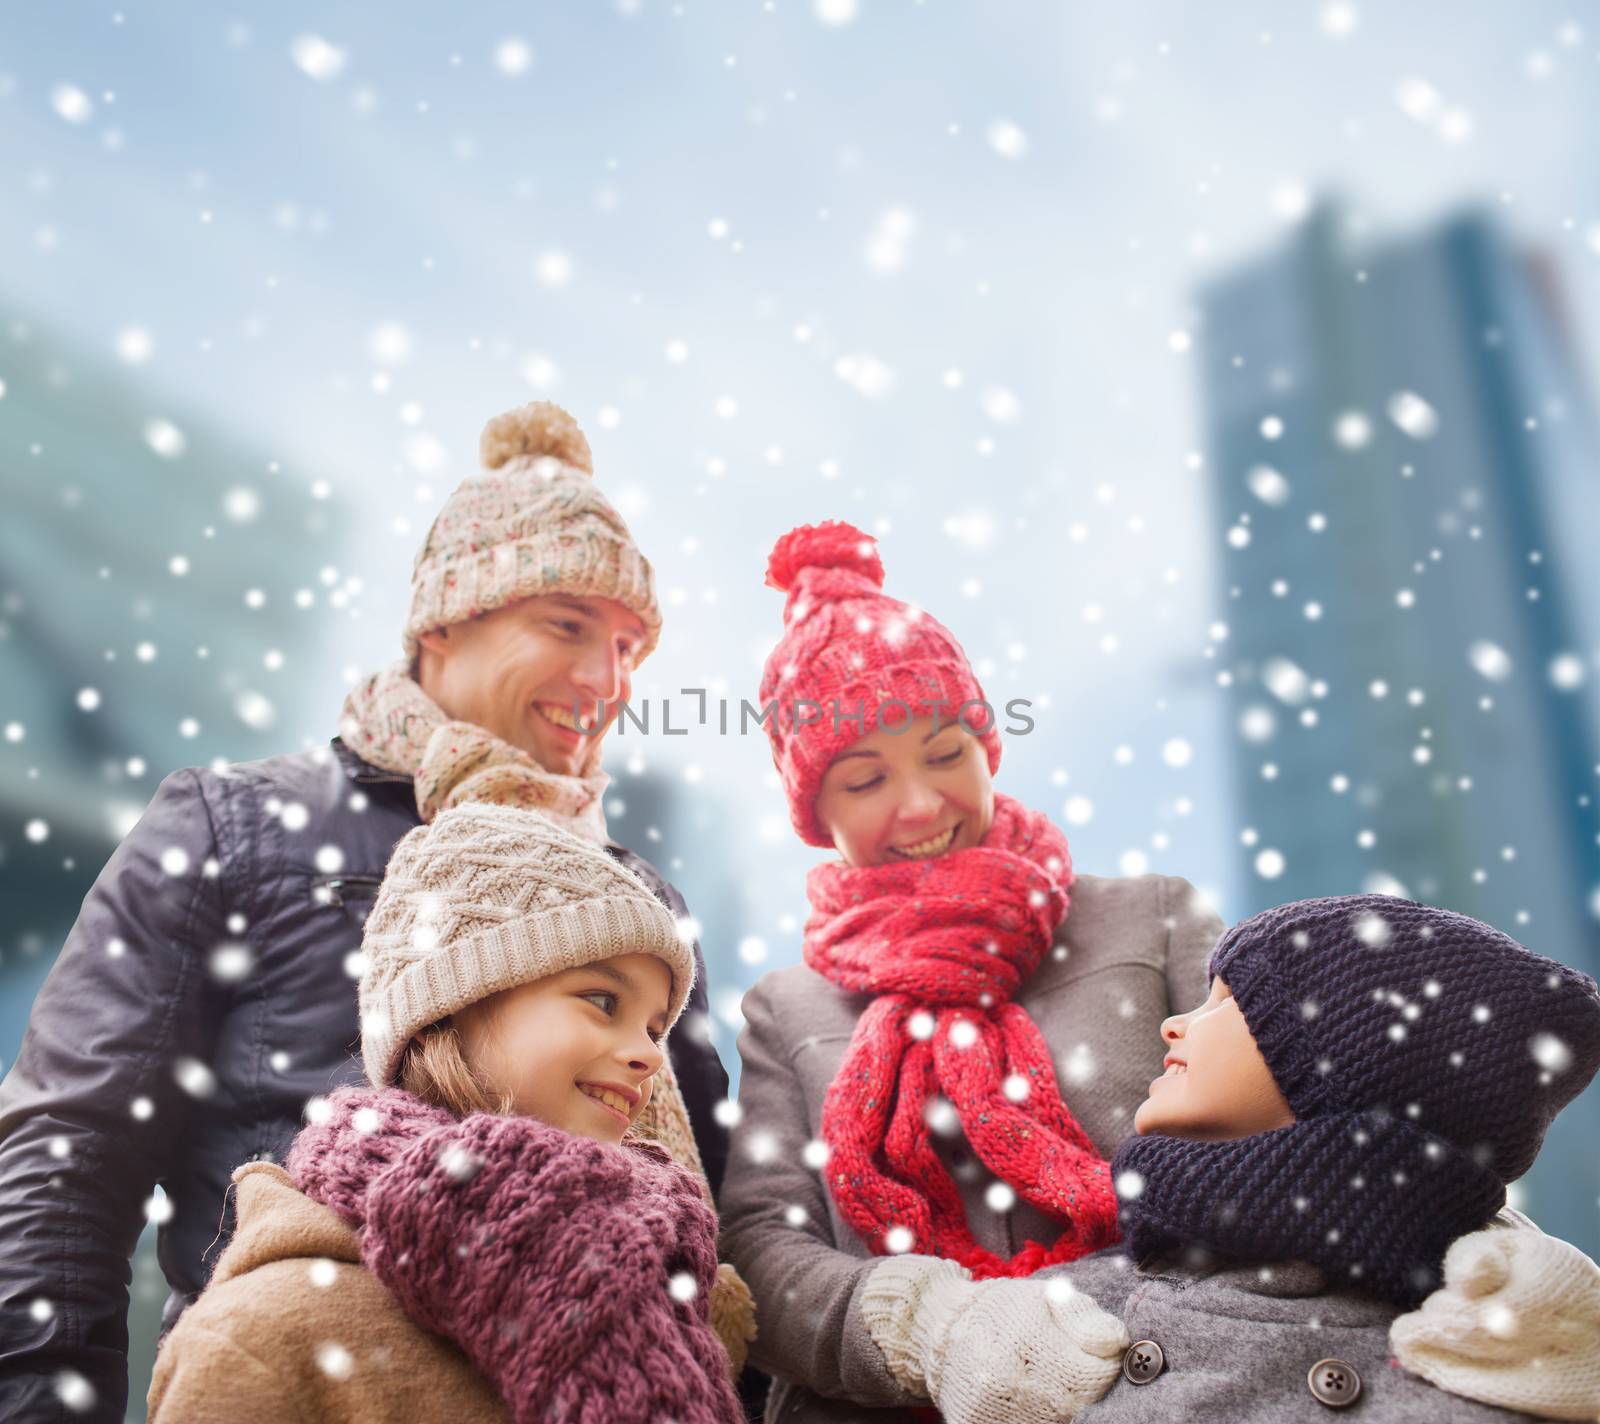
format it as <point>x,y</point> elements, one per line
<point>1214,1083</point>
<point>578,1050</point>
<point>907,793</point>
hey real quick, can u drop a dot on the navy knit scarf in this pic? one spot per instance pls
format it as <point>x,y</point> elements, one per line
<point>1373,1200</point>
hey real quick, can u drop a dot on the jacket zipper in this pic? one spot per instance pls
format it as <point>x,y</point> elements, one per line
<point>335,887</point>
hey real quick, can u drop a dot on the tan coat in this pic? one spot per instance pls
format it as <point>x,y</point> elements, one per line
<point>293,1329</point>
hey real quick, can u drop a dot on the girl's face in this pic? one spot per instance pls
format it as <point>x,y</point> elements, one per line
<point>1214,1082</point>
<point>578,1050</point>
<point>909,793</point>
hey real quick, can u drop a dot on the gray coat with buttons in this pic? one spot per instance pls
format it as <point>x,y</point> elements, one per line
<point>1233,1344</point>
<point>1129,952</point>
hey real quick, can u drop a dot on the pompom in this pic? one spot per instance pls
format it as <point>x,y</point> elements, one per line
<point>833,544</point>
<point>538,428</point>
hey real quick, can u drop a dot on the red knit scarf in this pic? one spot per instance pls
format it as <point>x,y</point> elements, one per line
<point>943,944</point>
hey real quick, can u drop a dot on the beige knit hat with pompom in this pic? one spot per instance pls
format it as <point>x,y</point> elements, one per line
<point>531,522</point>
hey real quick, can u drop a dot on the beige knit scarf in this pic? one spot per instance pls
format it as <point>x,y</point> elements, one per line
<point>391,722</point>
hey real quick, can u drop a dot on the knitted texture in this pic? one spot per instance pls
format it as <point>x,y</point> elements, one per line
<point>846,646</point>
<point>485,898</point>
<point>1362,1002</point>
<point>992,1352</point>
<point>391,722</point>
<point>1372,1200</point>
<point>1423,1054</point>
<point>1516,1325</point>
<point>943,945</point>
<point>664,1120</point>
<point>575,1275</point>
<point>532,522</point>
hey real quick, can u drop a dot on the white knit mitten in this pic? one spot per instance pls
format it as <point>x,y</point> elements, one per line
<point>991,1352</point>
<point>1515,1324</point>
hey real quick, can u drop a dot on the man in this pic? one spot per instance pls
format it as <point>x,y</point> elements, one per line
<point>207,990</point>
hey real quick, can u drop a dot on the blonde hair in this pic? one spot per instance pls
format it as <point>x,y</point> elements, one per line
<point>435,1069</point>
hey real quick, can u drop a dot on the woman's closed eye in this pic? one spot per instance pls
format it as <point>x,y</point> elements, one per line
<point>610,1012</point>
<point>949,759</point>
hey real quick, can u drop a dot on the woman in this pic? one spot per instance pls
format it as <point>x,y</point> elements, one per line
<point>1008,1104</point>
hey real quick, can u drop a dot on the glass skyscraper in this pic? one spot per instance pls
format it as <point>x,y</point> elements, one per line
<point>1407,488</point>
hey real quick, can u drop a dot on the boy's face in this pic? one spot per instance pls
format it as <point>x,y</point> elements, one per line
<point>907,794</point>
<point>557,1043</point>
<point>1215,1083</point>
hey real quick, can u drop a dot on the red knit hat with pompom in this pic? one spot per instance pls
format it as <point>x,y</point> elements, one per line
<point>845,642</point>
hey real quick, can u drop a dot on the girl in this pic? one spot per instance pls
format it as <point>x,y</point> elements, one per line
<point>941,1081</point>
<point>479,1235</point>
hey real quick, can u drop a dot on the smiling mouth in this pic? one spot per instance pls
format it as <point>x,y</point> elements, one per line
<point>612,1102</point>
<point>934,845</point>
<point>1174,1069</point>
<point>559,716</point>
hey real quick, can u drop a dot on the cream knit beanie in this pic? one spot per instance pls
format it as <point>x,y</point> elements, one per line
<point>485,898</point>
<point>531,522</point>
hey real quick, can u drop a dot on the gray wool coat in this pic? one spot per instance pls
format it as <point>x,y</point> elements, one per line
<point>1129,952</point>
<point>1239,1343</point>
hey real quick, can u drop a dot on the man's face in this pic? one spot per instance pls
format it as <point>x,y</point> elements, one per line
<point>520,670</point>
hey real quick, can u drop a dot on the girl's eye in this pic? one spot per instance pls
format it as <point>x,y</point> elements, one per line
<point>865,785</point>
<point>947,758</point>
<point>612,999</point>
<point>567,626</point>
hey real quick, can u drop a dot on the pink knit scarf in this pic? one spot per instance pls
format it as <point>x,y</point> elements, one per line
<point>576,1276</point>
<point>944,944</point>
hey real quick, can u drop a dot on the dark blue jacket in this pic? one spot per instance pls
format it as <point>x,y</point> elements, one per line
<point>206,991</point>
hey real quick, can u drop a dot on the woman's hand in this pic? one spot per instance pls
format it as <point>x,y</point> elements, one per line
<point>1030,1351</point>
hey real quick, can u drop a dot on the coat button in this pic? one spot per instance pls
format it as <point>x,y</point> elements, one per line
<point>1334,1383</point>
<point>1142,1362</point>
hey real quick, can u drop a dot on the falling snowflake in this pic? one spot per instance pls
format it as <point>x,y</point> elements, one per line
<point>999,1197</point>
<point>335,1361</point>
<point>1373,931</point>
<point>316,58</point>
<point>1551,1053</point>
<point>513,56</point>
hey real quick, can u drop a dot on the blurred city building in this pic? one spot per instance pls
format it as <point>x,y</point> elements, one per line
<point>1403,457</point>
<point>155,578</point>
<point>158,585</point>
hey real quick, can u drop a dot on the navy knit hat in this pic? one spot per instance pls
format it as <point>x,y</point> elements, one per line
<point>1365,1003</point>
